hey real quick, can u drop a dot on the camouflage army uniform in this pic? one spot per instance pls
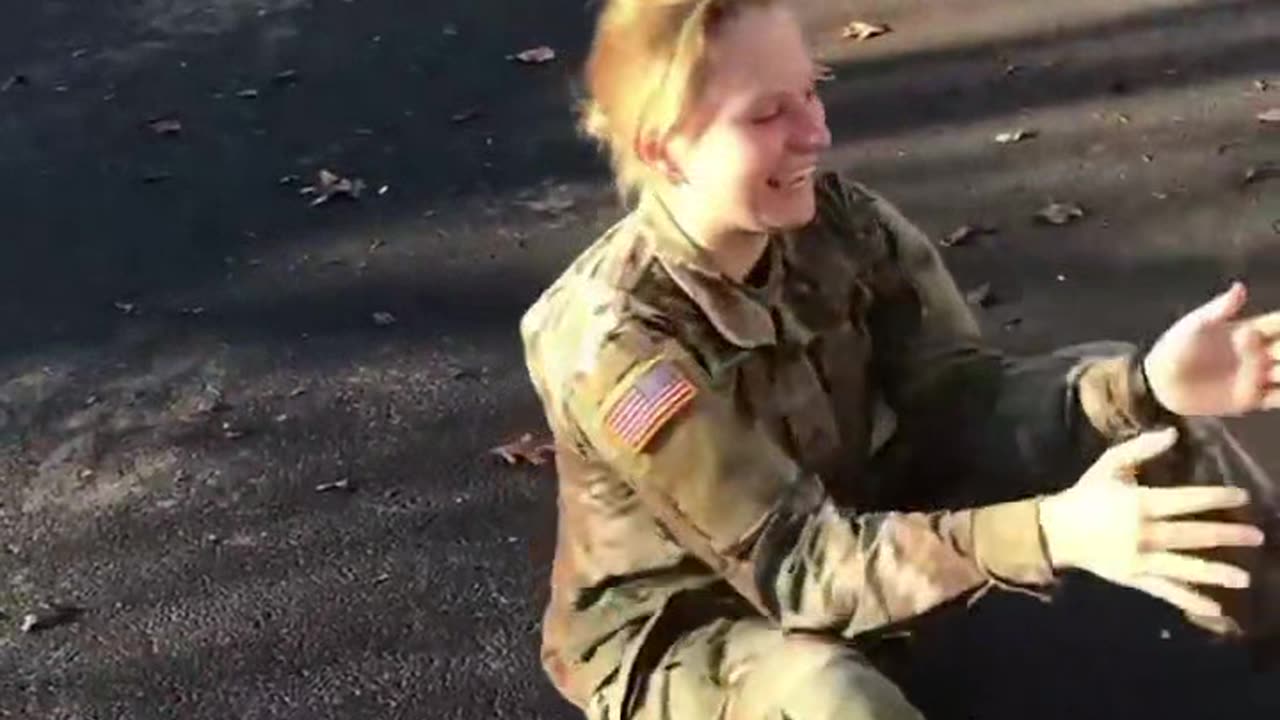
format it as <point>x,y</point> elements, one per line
<point>715,438</point>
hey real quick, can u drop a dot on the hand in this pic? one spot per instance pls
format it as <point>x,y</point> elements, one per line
<point>1208,363</point>
<point>1110,526</point>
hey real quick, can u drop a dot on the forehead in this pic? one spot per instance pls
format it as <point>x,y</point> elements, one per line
<point>755,53</point>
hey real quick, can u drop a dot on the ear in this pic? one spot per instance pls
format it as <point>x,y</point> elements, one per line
<point>655,152</point>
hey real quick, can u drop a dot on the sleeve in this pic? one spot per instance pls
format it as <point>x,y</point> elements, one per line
<point>1069,403</point>
<point>732,498</point>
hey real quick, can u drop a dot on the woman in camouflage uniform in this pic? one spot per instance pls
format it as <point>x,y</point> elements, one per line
<point>763,385</point>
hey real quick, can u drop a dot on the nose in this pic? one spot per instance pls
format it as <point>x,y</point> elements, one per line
<point>811,134</point>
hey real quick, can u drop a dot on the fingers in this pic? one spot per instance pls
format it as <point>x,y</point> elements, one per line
<point>1193,570</point>
<point>1224,306</point>
<point>1140,449</point>
<point>1177,594</point>
<point>1171,502</point>
<point>1192,535</point>
<point>1271,400</point>
<point>1268,324</point>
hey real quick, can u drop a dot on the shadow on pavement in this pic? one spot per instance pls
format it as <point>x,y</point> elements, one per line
<point>218,581</point>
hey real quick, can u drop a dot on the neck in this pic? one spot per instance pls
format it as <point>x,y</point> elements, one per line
<point>734,252</point>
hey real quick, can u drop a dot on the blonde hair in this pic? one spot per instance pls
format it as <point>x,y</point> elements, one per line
<point>647,66</point>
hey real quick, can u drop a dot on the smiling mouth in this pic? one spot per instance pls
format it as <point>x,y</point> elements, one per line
<point>793,180</point>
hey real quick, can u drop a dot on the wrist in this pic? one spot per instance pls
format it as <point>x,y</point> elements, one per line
<point>1050,533</point>
<point>1146,393</point>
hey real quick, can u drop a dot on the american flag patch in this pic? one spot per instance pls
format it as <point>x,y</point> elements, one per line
<point>653,399</point>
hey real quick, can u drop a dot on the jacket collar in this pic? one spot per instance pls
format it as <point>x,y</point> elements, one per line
<point>739,312</point>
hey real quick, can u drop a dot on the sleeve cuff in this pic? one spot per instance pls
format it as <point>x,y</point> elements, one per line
<point>1008,544</point>
<point>1140,389</point>
<point>1117,399</point>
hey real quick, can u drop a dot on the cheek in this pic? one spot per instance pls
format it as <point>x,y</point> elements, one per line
<point>741,158</point>
<point>765,150</point>
<point>755,158</point>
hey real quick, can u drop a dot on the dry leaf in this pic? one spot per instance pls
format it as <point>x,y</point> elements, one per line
<point>1270,116</point>
<point>535,56</point>
<point>383,319</point>
<point>1261,85</point>
<point>464,374</point>
<point>51,618</point>
<point>860,31</point>
<point>465,115</point>
<point>247,94</point>
<point>963,234</point>
<point>1015,136</point>
<point>1060,213</point>
<point>165,126</point>
<point>14,81</point>
<point>331,185</point>
<point>981,296</point>
<point>344,484</point>
<point>525,449</point>
<point>1259,173</point>
<point>285,77</point>
<point>127,308</point>
<point>556,201</point>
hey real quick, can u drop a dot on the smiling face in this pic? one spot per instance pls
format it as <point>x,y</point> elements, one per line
<point>748,149</point>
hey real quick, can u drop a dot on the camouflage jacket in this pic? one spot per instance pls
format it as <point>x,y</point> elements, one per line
<point>714,437</point>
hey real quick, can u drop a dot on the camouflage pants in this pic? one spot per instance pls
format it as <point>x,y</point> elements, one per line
<point>749,669</point>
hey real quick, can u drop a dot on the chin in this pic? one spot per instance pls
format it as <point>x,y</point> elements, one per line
<point>792,216</point>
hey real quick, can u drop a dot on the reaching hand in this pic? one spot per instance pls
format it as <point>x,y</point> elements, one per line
<point>1209,363</point>
<point>1109,525</point>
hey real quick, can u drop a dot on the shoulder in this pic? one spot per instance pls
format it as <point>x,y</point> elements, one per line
<point>618,371</point>
<point>608,314</point>
<point>591,291</point>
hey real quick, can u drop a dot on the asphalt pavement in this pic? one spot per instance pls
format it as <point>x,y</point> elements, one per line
<point>245,418</point>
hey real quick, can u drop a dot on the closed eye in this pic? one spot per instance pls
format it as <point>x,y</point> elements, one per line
<point>767,117</point>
